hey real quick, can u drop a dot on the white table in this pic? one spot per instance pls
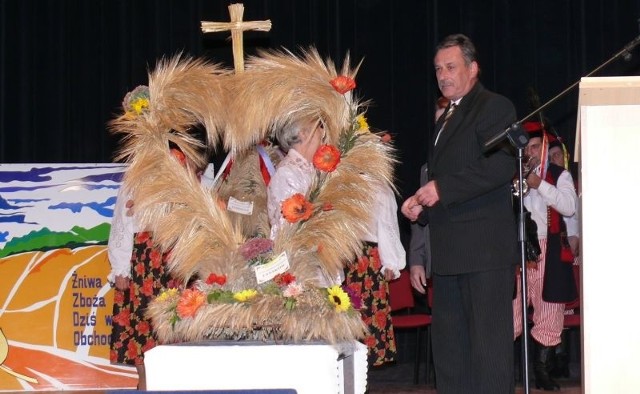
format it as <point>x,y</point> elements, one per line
<point>311,367</point>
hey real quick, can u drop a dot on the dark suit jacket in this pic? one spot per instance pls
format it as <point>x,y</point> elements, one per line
<point>419,245</point>
<point>473,226</point>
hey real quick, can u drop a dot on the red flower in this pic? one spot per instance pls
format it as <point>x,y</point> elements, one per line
<point>342,84</point>
<point>118,297</point>
<point>139,268</point>
<point>147,287</point>
<point>326,158</point>
<point>156,258</point>
<point>376,264</point>
<point>143,327</point>
<point>142,236</point>
<point>218,279</point>
<point>370,341</point>
<point>123,318</point>
<point>151,343</point>
<point>284,279</point>
<point>296,208</point>
<point>368,283</point>
<point>363,265</point>
<point>132,350</point>
<point>189,303</point>
<point>380,319</point>
<point>386,137</point>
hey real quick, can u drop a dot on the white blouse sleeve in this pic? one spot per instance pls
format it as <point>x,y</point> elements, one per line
<point>392,253</point>
<point>573,222</point>
<point>563,196</point>
<point>120,245</point>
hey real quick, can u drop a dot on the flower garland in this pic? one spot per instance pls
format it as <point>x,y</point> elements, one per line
<point>228,301</point>
<point>185,304</point>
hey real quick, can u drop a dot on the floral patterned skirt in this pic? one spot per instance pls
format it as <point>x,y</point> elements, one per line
<point>364,277</point>
<point>131,333</point>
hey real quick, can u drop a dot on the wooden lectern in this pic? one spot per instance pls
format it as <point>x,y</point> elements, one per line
<point>608,149</point>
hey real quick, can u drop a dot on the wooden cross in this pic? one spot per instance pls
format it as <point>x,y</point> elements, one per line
<point>236,26</point>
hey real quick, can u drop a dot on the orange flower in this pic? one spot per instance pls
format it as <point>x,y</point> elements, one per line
<point>296,208</point>
<point>342,84</point>
<point>326,158</point>
<point>189,303</point>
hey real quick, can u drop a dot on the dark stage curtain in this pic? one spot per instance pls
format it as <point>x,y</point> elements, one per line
<point>65,65</point>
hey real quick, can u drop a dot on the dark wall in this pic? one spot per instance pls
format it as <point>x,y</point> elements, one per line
<point>65,65</point>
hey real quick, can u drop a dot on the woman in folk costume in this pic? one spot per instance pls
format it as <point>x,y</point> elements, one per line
<point>383,254</point>
<point>551,197</point>
<point>306,134</point>
<point>139,266</point>
<point>382,258</point>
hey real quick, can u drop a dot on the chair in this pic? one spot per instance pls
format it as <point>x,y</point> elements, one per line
<point>404,318</point>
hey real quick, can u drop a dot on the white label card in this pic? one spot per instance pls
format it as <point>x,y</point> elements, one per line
<point>267,271</point>
<point>241,207</point>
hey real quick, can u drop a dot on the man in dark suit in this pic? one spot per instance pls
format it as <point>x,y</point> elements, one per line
<point>467,203</point>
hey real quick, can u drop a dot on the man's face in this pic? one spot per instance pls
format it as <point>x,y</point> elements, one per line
<point>455,78</point>
<point>533,148</point>
<point>556,156</point>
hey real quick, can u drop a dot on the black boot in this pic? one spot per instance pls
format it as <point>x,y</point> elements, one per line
<point>560,365</point>
<point>541,364</point>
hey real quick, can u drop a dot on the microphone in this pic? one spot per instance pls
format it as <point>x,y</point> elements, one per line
<point>515,133</point>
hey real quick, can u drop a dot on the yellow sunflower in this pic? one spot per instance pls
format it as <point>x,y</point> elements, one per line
<point>339,298</point>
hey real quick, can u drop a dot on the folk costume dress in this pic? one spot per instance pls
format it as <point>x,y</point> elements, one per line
<point>132,254</point>
<point>364,276</point>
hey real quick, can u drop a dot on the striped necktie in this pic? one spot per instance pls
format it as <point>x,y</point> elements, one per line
<point>446,119</point>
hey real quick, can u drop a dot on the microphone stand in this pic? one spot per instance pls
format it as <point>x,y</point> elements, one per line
<point>624,52</point>
<point>519,139</point>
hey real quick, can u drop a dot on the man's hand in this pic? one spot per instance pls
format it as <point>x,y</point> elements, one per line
<point>428,194</point>
<point>411,208</point>
<point>533,180</point>
<point>418,278</point>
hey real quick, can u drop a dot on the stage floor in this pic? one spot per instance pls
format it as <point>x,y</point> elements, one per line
<point>398,379</point>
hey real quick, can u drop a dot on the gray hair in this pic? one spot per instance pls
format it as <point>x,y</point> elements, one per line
<point>466,46</point>
<point>290,133</point>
